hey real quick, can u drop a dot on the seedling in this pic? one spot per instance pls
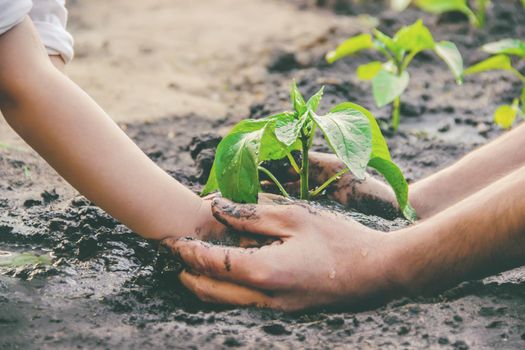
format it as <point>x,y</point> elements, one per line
<point>476,13</point>
<point>350,130</point>
<point>390,78</point>
<point>11,259</point>
<point>502,51</point>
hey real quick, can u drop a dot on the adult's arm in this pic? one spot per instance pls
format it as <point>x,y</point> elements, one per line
<point>437,192</point>
<point>67,128</point>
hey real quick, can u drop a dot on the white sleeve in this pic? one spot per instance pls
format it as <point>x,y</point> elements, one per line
<point>12,12</point>
<point>50,19</point>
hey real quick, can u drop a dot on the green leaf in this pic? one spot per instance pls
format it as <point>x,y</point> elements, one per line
<point>11,259</point>
<point>442,6</point>
<point>286,127</point>
<point>394,176</point>
<point>297,99</point>
<point>450,54</point>
<point>379,145</point>
<point>237,159</point>
<point>415,37</point>
<point>272,148</point>
<point>349,47</point>
<point>410,213</point>
<point>400,5</point>
<point>387,86</point>
<point>349,135</point>
<point>506,46</point>
<point>384,43</point>
<point>522,99</point>
<point>498,62</point>
<point>506,115</point>
<point>369,71</point>
<point>211,185</point>
<point>313,102</point>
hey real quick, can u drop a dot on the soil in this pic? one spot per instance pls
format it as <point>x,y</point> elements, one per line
<point>108,288</point>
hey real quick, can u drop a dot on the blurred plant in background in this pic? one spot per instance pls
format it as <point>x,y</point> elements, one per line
<point>476,12</point>
<point>502,51</point>
<point>390,78</point>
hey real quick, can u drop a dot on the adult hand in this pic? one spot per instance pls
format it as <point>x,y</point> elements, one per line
<point>320,258</point>
<point>367,195</point>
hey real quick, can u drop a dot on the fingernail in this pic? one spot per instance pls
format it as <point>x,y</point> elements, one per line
<point>221,202</point>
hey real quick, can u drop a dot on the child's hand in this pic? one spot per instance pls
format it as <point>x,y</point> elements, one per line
<point>209,229</point>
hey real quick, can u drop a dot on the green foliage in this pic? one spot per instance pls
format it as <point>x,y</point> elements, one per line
<point>390,78</point>
<point>506,46</point>
<point>369,71</point>
<point>476,13</point>
<point>386,86</point>
<point>350,130</point>
<point>11,259</point>
<point>498,62</point>
<point>350,46</point>
<point>502,51</point>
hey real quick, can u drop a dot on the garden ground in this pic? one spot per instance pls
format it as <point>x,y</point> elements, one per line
<point>177,74</point>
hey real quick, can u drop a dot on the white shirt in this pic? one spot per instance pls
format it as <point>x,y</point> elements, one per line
<point>49,18</point>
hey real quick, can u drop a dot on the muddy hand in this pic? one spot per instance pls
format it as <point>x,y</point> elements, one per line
<point>320,258</point>
<point>347,190</point>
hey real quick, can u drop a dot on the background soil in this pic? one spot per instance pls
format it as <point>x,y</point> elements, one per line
<point>107,288</point>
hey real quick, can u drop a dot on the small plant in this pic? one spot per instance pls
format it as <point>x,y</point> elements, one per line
<point>476,13</point>
<point>12,259</point>
<point>502,51</point>
<point>390,78</point>
<point>350,130</point>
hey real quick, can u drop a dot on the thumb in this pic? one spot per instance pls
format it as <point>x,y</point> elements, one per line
<point>263,219</point>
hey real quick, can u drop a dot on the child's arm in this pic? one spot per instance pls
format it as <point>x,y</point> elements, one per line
<point>64,125</point>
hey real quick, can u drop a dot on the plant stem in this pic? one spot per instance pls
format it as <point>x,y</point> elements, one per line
<point>396,113</point>
<point>481,10</point>
<point>274,179</point>
<point>406,62</point>
<point>305,194</point>
<point>320,189</point>
<point>293,163</point>
<point>312,135</point>
<point>473,18</point>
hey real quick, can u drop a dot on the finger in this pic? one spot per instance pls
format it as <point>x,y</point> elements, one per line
<point>264,219</point>
<point>212,196</point>
<point>293,188</point>
<point>271,198</point>
<point>323,166</point>
<point>221,292</point>
<point>256,241</point>
<point>243,266</point>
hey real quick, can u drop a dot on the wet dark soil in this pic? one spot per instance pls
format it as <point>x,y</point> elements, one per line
<point>108,288</point>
